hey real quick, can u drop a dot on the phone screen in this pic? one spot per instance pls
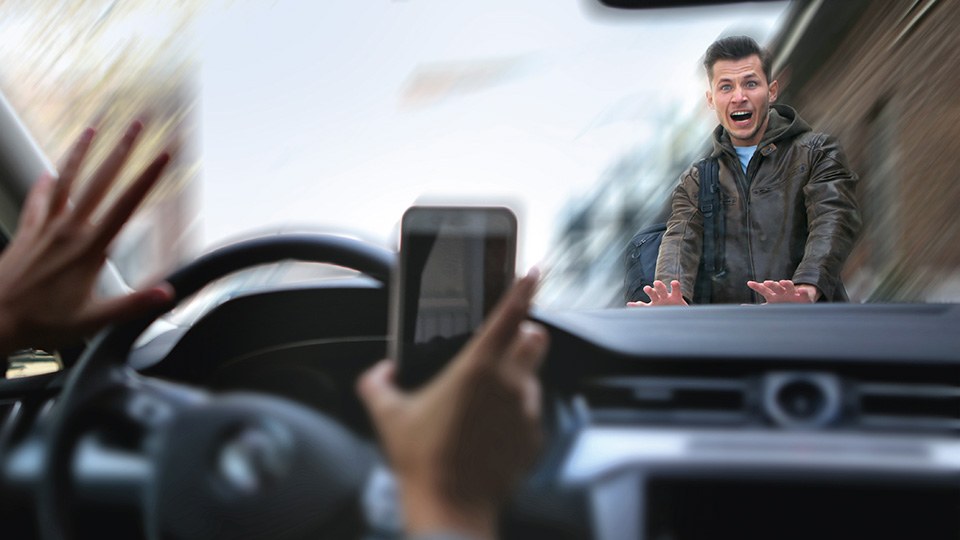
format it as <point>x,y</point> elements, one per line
<point>455,264</point>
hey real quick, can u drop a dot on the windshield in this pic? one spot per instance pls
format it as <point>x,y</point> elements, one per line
<point>336,116</point>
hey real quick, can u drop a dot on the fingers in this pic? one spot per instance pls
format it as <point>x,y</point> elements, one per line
<point>652,294</point>
<point>788,287</point>
<point>657,293</point>
<point>661,289</point>
<point>103,178</point>
<point>118,214</point>
<point>775,287</point>
<point>36,205</point>
<point>782,291</point>
<point>761,288</point>
<point>129,306</point>
<point>675,293</point>
<point>69,171</point>
<point>810,291</point>
<point>661,295</point>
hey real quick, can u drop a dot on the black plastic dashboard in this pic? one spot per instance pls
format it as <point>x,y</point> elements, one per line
<point>826,420</point>
<point>832,421</point>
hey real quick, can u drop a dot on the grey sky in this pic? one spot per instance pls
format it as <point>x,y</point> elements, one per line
<point>342,114</point>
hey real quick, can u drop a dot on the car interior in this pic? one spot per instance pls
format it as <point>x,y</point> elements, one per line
<point>241,420</point>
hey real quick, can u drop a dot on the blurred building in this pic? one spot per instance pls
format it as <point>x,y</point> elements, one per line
<point>881,75</point>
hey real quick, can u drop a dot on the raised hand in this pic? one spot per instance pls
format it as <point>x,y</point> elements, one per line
<point>785,292</point>
<point>660,295</point>
<point>49,269</point>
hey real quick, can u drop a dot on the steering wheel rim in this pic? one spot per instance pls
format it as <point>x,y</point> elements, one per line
<point>101,368</point>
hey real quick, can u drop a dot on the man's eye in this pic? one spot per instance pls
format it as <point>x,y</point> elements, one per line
<point>725,87</point>
<point>752,84</point>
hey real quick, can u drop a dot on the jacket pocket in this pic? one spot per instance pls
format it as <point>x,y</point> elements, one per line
<point>799,170</point>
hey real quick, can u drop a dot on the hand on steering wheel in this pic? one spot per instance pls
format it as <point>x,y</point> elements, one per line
<point>257,466</point>
<point>460,444</point>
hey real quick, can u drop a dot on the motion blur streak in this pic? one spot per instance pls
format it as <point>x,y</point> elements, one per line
<point>882,77</point>
<point>69,65</point>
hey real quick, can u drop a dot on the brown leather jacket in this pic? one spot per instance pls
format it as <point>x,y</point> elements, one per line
<point>793,215</point>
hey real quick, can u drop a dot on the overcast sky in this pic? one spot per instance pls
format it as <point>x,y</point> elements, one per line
<point>342,114</point>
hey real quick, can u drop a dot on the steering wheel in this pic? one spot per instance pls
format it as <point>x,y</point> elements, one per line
<point>200,465</point>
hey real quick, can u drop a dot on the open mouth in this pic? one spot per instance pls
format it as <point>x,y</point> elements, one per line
<point>740,116</point>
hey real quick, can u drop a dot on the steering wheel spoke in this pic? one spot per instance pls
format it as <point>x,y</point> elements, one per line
<point>200,465</point>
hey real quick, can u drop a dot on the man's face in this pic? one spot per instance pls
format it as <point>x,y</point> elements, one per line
<point>740,94</point>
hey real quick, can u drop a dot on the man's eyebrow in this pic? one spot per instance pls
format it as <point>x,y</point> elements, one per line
<point>728,78</point>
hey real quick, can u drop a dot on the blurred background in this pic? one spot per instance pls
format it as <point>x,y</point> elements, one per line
<point>336,116</point>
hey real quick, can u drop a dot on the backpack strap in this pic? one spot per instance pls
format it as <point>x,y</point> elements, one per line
<point>711,206</point>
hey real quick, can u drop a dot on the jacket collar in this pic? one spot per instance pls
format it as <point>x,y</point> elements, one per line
<point>784,124</point>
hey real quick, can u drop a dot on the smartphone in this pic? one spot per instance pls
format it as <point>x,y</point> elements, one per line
<point>455,264</point>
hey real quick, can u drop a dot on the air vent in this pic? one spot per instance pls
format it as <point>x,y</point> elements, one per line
<point>666,400</point>
<point>909,406</point>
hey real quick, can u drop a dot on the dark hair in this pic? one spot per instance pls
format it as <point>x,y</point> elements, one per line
<point>736,48</point>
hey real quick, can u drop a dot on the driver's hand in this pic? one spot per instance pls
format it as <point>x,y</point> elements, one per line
<point>459,444</point>
<point>48,272</point>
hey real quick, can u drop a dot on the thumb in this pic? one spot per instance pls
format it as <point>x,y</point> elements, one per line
<point>377,390</point>
<point>129,306</point>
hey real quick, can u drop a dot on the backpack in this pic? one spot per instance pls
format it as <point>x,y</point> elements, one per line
<point>644,247</point>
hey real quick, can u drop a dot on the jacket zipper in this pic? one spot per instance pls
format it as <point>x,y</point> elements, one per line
<point>743,185</point>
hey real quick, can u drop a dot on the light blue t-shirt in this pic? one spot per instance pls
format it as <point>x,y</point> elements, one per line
<point>745,153</point>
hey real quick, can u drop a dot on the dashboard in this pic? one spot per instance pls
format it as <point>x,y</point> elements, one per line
<point>827,420</point>
<point>830,420</point>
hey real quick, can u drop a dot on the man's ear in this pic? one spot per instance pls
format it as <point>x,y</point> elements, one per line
<point>774,90</point>
<point>710,100</point>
